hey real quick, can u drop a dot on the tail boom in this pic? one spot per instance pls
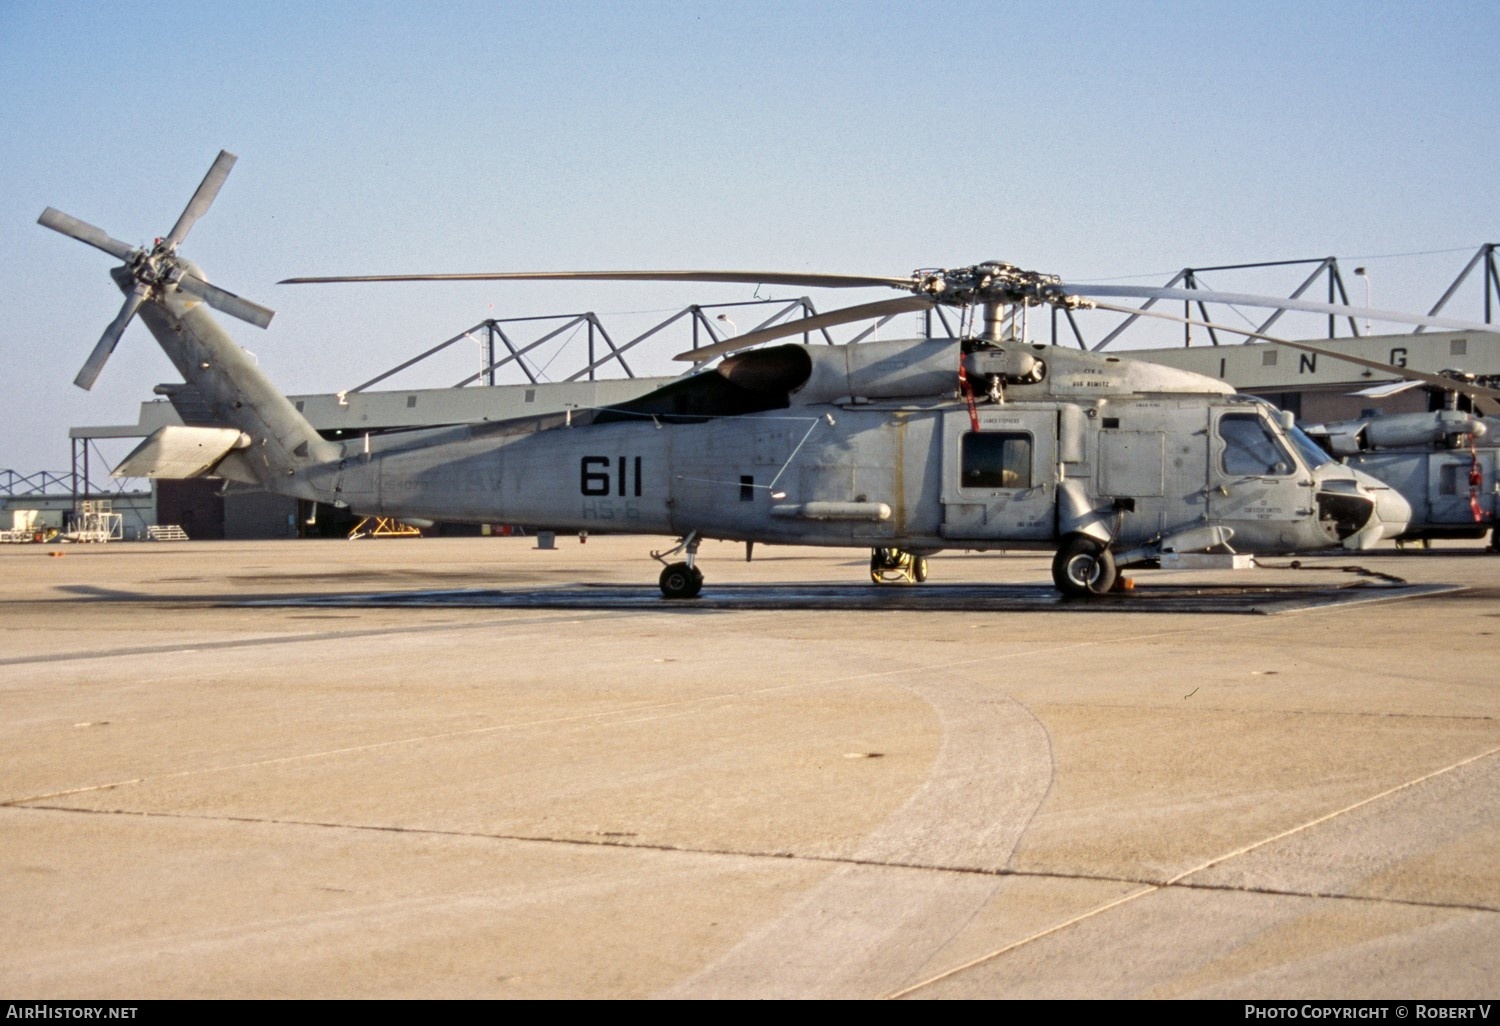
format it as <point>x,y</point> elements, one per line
<point>285,452</point>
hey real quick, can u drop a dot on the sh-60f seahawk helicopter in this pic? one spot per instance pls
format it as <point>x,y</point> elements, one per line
<point>903,448</point>
<point>1445,462</point>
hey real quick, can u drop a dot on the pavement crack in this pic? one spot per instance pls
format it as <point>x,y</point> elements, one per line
<point>1147,886</point>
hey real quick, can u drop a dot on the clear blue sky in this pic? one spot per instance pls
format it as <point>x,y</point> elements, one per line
<point>1095,140</point>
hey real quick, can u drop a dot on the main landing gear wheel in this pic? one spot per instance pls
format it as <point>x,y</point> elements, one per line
<point>897,566</point>
<point>1083,567</point>
<point>680,581</point>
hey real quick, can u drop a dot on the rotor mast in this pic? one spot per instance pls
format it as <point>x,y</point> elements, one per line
<point>992,315</point>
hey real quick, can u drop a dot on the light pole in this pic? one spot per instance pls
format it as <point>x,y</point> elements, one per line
<point>733,331</point>
<point>1360,272</point>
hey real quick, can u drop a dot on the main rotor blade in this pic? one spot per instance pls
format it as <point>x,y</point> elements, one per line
<point>1244,299</point>
<point>825,281</point>
<point>111,337</point>
<point>225,301</point>
<point>202,199</point>
<point>85,232</point>
<point>848,315</point>
<point>1437,380</point>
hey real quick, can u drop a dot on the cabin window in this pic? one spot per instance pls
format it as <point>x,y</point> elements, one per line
<point>995,459</point>
<point>1453,479</point>
<point>1250,448</point>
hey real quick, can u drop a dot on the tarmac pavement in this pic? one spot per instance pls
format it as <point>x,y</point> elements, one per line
<point>222,777</point>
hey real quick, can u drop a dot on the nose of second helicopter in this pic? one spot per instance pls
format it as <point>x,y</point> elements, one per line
<point>1390,516</point>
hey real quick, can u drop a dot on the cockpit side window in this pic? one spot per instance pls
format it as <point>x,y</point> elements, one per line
<point>1250,449</point>
<point>999,459</point>
<point>1311,452</point>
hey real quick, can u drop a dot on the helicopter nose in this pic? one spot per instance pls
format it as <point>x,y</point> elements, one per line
<point>1358,510</point>
<point>1394,511</point>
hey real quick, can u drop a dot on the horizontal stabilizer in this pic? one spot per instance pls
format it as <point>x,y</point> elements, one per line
<point>177,452</point>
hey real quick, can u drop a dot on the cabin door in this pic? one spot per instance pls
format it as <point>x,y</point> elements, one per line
<point>1000,482</point>
<point>1451,492</point>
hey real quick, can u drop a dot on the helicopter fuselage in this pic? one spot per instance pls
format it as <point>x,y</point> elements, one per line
<point>920,474</point>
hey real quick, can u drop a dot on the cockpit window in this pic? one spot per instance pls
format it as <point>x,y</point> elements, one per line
<point>1250,449</point>
<point>1312,453</point>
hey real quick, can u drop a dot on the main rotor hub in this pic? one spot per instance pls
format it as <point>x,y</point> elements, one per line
<point>994,282</point>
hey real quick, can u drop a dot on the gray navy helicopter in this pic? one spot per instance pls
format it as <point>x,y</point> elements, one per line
<point>1445,462</point>
<point>901,448</point>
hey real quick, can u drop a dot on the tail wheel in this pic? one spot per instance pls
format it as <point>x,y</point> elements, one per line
<point>1083,567</point>
<point>680,581</point>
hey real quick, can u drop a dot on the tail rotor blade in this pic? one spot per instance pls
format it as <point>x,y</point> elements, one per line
<point>85,232</point>
<point>111,337</point>
<point>226,302</point>
<point>202,199</point>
